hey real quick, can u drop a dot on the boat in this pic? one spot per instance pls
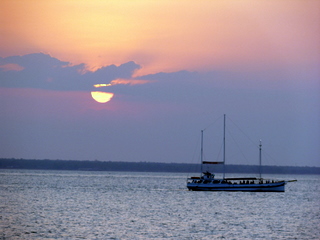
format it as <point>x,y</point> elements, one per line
<point>208,182</point>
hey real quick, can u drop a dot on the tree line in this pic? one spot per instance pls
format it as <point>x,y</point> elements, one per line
<point>46,164</point>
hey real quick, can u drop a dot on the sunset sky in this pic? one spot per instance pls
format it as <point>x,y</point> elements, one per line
<point>163,70</point>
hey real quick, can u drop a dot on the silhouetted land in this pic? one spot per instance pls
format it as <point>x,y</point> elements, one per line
<point>145,166</point>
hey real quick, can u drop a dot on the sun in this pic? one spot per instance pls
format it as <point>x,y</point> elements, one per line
<point>101,97</point>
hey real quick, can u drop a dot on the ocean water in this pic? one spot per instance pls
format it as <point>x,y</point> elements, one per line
<point>123,205</point>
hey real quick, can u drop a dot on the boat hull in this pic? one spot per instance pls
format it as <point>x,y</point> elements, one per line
<point>271,187</point>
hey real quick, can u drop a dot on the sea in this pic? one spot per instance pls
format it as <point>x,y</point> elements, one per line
<point>41,204</point>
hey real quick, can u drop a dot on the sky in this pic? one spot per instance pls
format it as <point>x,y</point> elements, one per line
<point>137,80</point>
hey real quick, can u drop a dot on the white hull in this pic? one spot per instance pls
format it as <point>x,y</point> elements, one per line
<point>265,187</point>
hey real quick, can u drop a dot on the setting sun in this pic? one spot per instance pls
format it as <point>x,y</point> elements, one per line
<point>101,97</point>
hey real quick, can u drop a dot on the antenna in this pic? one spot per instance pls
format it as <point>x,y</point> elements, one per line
<point>224,145</point>
<point>201,153</point>
<point>260,145</point>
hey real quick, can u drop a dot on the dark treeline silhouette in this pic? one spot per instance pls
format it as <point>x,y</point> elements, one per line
<point>145,166</point>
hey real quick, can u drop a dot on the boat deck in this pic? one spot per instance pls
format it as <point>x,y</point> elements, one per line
<point>235,184</point>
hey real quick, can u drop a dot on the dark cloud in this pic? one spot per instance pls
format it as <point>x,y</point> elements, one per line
<point>35,61</point>
<point>45,72</point>
<point>41,71</point>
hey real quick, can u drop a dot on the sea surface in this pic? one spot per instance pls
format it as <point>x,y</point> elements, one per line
<point>38,204</point>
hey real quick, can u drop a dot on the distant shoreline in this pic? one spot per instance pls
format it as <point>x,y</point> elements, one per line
<point>12,163</point>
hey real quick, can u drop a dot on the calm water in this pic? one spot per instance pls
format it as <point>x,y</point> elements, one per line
<point>113,205</point>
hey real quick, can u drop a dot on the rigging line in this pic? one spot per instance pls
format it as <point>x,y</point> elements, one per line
<point>204,157</point>
<point>193,161</point>
<point>219,153</point>
<point>195,150</point>
<point>270,157</point>
<point>212,123</point>
<point>237,145</point>
<point>244,133</point>
<point>257,146</point>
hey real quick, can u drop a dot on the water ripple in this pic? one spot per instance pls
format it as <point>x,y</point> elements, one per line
<point>111,205</point>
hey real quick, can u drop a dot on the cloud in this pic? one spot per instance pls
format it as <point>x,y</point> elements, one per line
<point>42,71</point>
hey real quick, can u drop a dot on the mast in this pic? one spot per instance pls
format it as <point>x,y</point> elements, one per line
<point>201,153</point>
<point>260,145</point>
<point>211,162</point>
<point>224,144</point>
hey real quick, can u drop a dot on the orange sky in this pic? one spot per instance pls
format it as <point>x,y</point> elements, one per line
<point>164,35</point>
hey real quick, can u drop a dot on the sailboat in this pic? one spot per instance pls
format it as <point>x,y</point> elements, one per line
<point>208,182</point>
